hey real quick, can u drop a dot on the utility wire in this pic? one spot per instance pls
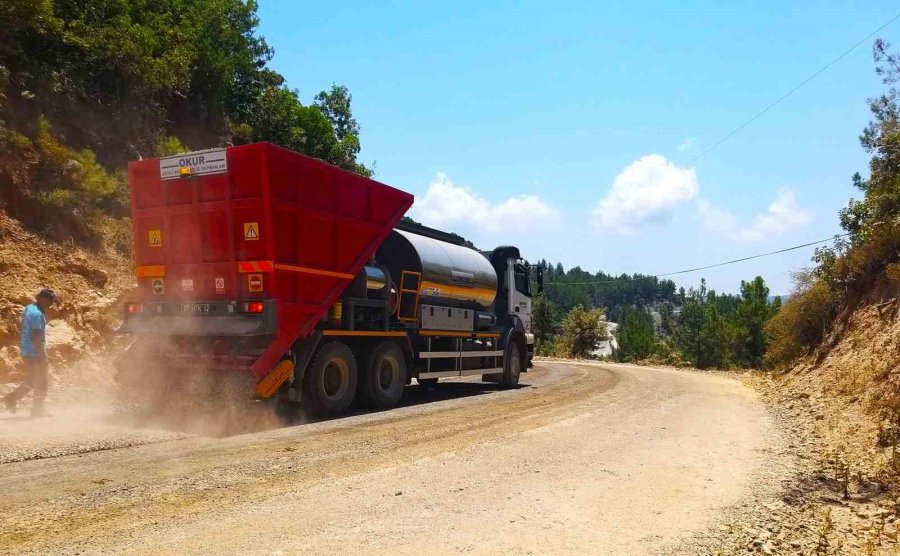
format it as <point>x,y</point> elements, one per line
<point>792,91</point>
<point>685,271</point>
<point>731,134</point>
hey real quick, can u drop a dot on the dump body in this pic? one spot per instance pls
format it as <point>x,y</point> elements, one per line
<point>257,222</point>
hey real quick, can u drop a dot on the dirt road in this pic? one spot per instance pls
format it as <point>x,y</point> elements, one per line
<point>581,458</point>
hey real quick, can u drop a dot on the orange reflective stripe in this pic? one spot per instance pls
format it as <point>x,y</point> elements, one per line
<point>372,333</point>
<point>317,271</point>
<point>155,271</point>
<point>245,267</point>
<point>255,266</point>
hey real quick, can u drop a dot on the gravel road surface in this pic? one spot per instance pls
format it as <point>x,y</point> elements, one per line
<point>586,458</point>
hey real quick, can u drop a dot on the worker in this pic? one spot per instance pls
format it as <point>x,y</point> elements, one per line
<point>34,354</point>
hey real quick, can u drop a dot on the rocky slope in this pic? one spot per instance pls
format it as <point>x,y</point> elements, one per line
<point>92,284</point>
<point>844,497</point>
<point>847,384</point>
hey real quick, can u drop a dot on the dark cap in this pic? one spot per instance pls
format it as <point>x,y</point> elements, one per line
<point>49,294</point>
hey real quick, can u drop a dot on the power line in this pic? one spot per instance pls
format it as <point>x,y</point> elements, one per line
<point>742,259</point>
<point>731,134</point>
<point>792,91</point>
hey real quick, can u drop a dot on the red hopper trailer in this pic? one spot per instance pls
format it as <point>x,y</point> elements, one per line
<point>287,270</point>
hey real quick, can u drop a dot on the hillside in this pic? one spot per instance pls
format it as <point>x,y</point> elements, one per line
<point>87,86</point>
<point>91,284</point>
<point>852,382</point>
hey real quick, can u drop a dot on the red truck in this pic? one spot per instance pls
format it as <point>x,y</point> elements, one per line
<point>299,279</point>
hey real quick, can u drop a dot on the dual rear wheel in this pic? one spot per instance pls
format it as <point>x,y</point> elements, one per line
<point>335,377</point>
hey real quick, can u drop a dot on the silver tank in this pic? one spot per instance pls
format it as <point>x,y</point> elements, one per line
<point>452,275</point>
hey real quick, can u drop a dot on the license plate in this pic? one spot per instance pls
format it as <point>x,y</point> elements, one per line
<point>197,308</point>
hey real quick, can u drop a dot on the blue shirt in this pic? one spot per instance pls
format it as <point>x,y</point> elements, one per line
<point>33,319</point>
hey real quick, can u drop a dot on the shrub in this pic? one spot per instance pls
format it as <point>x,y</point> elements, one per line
<point>170,145</point>
<point>71,179</point>
<point>583,330</point>
<point>802,320</point>
<point>555,347</point>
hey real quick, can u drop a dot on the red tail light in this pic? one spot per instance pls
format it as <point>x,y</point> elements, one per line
<point>254,307</point>
<point>134,308</point>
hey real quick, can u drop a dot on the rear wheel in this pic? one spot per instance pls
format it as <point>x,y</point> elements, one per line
<point>383,378</point>
<point>330,381</point>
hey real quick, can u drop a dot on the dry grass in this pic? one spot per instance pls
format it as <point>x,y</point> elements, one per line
<point>802,321</point>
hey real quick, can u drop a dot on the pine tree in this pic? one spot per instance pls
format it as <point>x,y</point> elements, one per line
<point>635,335</point>
<point>542,320</point>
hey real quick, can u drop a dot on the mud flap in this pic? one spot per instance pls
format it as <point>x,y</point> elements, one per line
<point>273,381</point>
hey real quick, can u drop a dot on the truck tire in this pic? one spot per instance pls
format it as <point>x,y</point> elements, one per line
<point>513,364</point>
<point>330,382</point>
<point>383,377</point>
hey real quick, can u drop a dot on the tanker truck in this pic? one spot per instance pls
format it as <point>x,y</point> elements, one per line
<point>300,282</point>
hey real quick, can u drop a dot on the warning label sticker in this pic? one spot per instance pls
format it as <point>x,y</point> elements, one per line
<point>255,282</point>
<point>187,285</point>
<point>220,285</point>
<point>251,231</point>
<point>159,286</point>
<point>155,238</point>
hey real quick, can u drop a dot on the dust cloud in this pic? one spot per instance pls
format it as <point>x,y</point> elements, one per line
<point>122,399</point>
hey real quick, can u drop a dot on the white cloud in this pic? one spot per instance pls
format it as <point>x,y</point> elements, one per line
<point>716,217</point>
<point>687,144</point>
<point>446,205</point>
<point>647,191</point>
<point>782,216</point>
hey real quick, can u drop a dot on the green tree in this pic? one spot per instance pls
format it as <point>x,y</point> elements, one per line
<point>753,312</point>
<point>714,339</point>
<point>871,250</point>
<point>667,321</point>
<point>701,336</point>
<point>873,223</point>
<point>688,331</point>
<point>102,82</point>
<point>281,118</point>
<point>542,319</point>
<point>583,330</point>
<point>335,104</point>
<point>635,335</point>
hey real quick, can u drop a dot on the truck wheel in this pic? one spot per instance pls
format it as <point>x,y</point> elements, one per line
<point>512,365</point>
<point>383,378</point>
<point>330,382</point>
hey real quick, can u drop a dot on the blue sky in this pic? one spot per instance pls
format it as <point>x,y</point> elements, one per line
<point>567,128</point>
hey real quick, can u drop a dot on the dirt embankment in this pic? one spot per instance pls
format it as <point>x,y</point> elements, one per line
<point>91,283</point>
<point>847,382</point>
<point>846,489</point>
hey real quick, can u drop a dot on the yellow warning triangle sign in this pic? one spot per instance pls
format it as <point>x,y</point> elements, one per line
<point>251,230</point>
